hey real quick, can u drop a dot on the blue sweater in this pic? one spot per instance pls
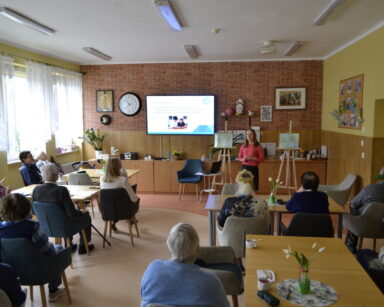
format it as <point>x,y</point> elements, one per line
<point>175,283</point>
<point>308,202</point>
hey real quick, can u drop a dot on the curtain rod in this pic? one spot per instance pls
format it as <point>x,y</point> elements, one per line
<point>28,59</point>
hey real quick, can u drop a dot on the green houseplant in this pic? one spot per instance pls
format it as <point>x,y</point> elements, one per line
<point>95,139</point>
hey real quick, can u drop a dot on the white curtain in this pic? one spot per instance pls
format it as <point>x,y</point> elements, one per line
<point>7,99</point>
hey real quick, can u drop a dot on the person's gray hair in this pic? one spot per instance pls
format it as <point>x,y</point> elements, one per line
<point>49,172</point>
<point>183,243</point>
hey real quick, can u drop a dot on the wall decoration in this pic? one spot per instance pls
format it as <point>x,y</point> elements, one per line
<point>106,119</point>
<point>266,113</point>
<point>104,100</point>
<point>223,140</point>
<point>290,98</point>
<point>350,113</point>
<point>239,107</point>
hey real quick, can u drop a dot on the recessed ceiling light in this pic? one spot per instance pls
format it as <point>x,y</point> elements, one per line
<point>15,16</point>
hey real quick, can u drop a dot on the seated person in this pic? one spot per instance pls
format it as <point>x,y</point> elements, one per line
<point>370,193</point>
<point>29,171</point>
<point>58,166</point>
<point>178,281</point>
<point>373,263</point>
<point>41,160</point>
<point>181,123</point>
<point>14,211</point>
<point>10,285</point>
<point>50,192</point>
<point>308,199</point>
<point>244,204</point>
<point>116,177</point>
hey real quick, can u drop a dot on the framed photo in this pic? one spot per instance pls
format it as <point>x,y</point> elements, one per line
<point>104,100</point>
<point>266,113</point>
<point>290,98</point>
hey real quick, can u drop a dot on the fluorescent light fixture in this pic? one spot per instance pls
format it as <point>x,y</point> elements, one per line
<point>268,47</point>
<point>6,12</point>
<point>323,16</point>
<point>97,53</point>
<point>191,50</point>
<point>292,49</point>
<point>165,9</point>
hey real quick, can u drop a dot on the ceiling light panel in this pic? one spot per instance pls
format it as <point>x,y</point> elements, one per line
<point>324,15</point>
<point>293,48</point>
<point>191,50</point>
<point>165,9</point>
<point>97,53</point>
<point>19,18</point>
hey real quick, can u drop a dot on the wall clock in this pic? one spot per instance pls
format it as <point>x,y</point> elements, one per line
<point>130,104</point>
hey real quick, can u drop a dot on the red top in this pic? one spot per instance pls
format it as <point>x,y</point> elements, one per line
<point>252,152</point>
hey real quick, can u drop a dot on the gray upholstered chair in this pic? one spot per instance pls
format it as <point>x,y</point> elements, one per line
<point>370,224</point>
<point>79,179</point>
<point>229,189</point>
<point>340,192</point>
<point>235,228</point>
<point>162,305</point>
<point>223,255</point>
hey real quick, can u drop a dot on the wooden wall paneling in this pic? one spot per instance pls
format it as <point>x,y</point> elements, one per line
<point>378,155</point>
<point>145,178</point>
<point>162,176</point>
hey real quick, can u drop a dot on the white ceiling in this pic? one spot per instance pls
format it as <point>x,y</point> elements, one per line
<point>133,31</point>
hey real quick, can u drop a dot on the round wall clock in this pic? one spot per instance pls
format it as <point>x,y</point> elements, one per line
<point>105,119</point>
<point>129,104</point>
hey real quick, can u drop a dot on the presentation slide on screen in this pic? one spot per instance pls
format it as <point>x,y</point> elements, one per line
<point>180,114</point>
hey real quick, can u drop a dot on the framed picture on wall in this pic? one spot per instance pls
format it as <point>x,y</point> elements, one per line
<point>290,98</point>
<point>104,100</point>
<point>266,113</point>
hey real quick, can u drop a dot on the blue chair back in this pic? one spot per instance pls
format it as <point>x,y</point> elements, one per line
<point>188,173</point>
<point>54,221</point>
<point>22,177</point>
<point>30,265</point>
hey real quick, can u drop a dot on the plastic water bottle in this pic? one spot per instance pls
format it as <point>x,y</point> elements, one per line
<point>168,155</point>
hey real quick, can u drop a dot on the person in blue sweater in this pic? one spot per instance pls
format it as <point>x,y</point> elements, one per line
<point>15,211</point>
<point>28,170</point>
<point>308,199</point>
<point>178,281</point>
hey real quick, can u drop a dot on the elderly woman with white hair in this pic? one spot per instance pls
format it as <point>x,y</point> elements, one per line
<point>50,192</point>
<point>244,203</point>
<point>178,281</point>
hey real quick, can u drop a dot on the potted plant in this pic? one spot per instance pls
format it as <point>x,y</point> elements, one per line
<point>95,139</point>
<point>176,155</point>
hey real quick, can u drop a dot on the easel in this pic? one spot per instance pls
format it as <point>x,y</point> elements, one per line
<point>225,158</point>
<point>289,157</point>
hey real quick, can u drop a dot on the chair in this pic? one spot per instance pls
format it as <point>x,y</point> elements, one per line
<point>235,228</point>
<point>229,189</point>
<point>309,225</point>
<point>370,224</point>
<point>22,177</point>
<point>34,268</point>
<point>188,175</point>
<point>223,255</point>
<point>54,222</point>
<point>215,170</point>
<point>340,192</point>
<point>116,205</point>
<point>4,299</point>
<point>80,179</point>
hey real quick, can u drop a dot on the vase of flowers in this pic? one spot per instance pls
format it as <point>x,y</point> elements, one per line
<point>304,280</point>
<point>274,186</point>
<point>176,155</point>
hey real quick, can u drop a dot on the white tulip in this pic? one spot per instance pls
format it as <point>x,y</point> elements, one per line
<point>270,179</point>
<point>321,249</point>
<point>287,256</point>
<point>314,245</point>
<point>286,251</point>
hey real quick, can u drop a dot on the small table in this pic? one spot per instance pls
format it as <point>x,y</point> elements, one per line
<point>78,193</point>
<point>96,174</point>
<point>336,267</point>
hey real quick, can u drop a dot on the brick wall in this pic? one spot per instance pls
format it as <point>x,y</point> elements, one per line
<point>254,82</point>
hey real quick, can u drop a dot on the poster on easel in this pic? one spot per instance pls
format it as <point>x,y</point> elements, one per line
<point>223,140</point>
<point>351,102</point>
<point>289,141</point>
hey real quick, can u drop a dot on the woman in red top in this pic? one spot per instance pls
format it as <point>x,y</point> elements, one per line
<point>251,153</point>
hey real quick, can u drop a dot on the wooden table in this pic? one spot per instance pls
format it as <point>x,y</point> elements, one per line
<point>336,267</point>
<point>79,193</point>
<point>215,203</point>
<point>95,174</point>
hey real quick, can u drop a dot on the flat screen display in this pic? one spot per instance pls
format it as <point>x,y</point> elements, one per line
<point>176,114</point>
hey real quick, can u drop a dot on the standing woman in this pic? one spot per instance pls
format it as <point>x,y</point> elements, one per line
<point>250,155</point>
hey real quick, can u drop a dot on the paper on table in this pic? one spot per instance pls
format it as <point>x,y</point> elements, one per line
<point>266,274</point>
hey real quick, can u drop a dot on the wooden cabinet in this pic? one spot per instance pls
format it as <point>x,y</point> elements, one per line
<point>160,176</point>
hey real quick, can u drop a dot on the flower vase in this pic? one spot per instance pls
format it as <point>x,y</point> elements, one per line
<point>304,282</point>
<point>99,154</point>
<point>272,199</point>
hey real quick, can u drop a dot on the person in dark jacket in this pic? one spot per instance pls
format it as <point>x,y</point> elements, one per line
<point>308,199</point>
<point>10,285</point>
<point>29,171</point>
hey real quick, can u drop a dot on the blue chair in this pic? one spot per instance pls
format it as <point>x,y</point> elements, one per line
<point>55,223</point>
<point>188,175</point>
<point>34,268</point>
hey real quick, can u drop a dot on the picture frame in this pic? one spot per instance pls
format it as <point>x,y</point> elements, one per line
<point>104,100</point>
<point>290,98</point>
<point>266,113</point>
